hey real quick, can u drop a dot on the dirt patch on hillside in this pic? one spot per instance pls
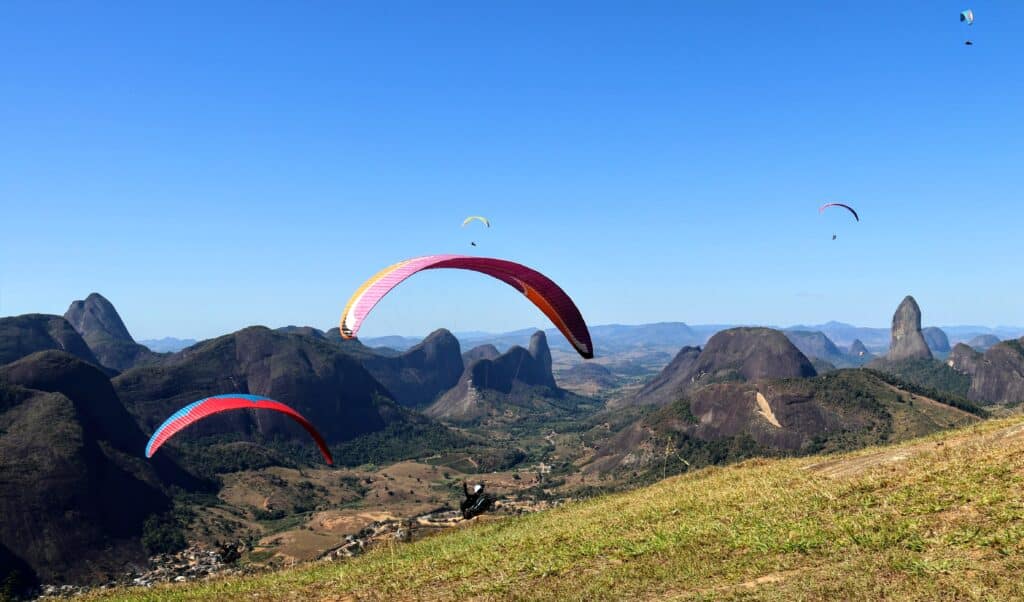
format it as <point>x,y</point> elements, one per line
<point>765,410</point>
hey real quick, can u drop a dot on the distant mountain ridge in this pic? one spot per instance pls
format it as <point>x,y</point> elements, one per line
<point>618,337</point>
<point>167,344</point>
<point>817,345</point>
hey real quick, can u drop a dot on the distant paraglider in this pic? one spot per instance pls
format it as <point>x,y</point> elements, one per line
<point>844,206</point>
<point>538,288</point>
<point>483,220</point>
<point>967,17</point>
<point>847,207</point>
<point>196,411</point>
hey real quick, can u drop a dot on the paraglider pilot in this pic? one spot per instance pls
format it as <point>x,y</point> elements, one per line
<point>471,498</point>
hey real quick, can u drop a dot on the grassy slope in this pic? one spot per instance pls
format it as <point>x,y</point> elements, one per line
<point>935,518</point>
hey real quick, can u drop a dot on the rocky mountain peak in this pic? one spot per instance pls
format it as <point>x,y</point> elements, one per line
<point>517,373</point>
<point>752,354</point>
<point>418,376</point>
<point>96,317</point>
<point>859,350</point>
<point>908,342</point>
<point>737,354</point>
<point>541,353</point>
<point>102,329</point>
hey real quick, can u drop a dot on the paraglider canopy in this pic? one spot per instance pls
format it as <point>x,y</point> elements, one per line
<point>198,410</point>
<point>967,17</point>
<point>538,288</point>
<point>844,206</point>
<point>478,218</point>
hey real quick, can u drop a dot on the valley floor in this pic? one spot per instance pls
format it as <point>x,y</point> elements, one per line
<point>935,518</point>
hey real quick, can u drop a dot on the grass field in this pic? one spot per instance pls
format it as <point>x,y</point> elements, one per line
<point>939,518</point>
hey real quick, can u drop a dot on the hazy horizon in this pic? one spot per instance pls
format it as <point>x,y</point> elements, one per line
<point>661,163</point>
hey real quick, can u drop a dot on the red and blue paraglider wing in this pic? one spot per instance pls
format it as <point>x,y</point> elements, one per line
<point>196,411</point>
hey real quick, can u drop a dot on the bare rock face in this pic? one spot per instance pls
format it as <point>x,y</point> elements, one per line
<point>481,352</point>
<point>541,353</point>
<point>907,339</point>
<point>418,376</point>
<point>515,377</point>
<point>97,316</point>
<point>999,376</point>
<point>750,354</point>
<point>964,359</point>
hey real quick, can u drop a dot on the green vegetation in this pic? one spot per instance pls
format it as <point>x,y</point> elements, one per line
<point>162,534</point>
<point>936,518</point>
<point>681,409</point>
<point>1016,345</point>
<point>219,454</point>
<point>12,585</point>
<point>944,396</point>
<point>398,441</point>
<point>931,375</point>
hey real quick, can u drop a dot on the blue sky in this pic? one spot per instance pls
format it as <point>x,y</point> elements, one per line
<point>207,168</point>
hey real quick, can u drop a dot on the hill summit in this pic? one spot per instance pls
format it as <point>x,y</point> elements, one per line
<point>103,330</point>
<point>737,354</point>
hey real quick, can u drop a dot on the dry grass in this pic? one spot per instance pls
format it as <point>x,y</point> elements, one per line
<point>936,518</point>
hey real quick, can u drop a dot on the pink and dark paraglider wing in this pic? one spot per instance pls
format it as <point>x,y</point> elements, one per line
<point>538,288</point>
<point>844,206</point>
<point>196,411</point>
